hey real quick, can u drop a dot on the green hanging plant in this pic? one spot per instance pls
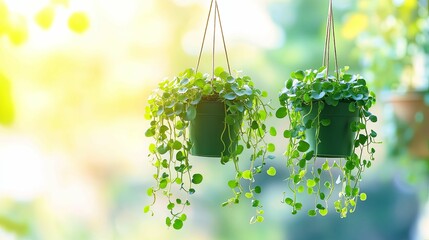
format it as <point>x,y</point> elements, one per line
<point>173,107</point>
<point>304,99</point>
<point>329,117</point>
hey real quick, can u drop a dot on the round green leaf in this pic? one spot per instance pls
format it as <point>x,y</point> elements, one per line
<point>230,96</point>
<point>197,178</point>
<point>239,150</point>
<point>271,171</point>
<point>163,183</point>
<point>281,112</point>
<point>146,209</point>
<point>303,146</point>
<point>363,197</point>
<point>312,213</point>
<point>323,212</point>
<point>247,174</point>
<point>232,183</point>
<point>311,183</point>
<point>178,224</point>
<point>170,206</point>
<point>373,118</point>
<point>191,113</point>
<point>149,192</point>
<point>273,131</point>
<point>271,147</point>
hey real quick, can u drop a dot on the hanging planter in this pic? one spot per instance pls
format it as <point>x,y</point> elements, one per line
<point>411,121</point>
<point>217,115</point>
<point>329,118</point>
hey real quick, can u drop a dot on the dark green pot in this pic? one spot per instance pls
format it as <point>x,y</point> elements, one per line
<point>209,134</point>
<point>336,139</point>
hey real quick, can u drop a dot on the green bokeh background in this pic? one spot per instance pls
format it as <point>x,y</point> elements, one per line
<point>73,156</point>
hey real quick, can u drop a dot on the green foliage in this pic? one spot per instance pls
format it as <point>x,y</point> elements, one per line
<point>171,108</point>
<point>392,34</point>
<point>315,88</point>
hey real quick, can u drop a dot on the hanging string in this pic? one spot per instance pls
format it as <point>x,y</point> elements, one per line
<point>214,41</point>
<point>204,36</point>
<point>223,39</point>
<point>334,41</point>
<point>327,42</point>
<point>330,27</point>
<point>216,18</point>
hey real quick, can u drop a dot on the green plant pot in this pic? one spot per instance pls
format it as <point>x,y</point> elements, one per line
<point>209,134</point>
<point>336,139</point>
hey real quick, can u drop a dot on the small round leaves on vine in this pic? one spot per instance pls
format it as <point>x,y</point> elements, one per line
<point>289,201</point>
<point>312,213</point>
<point>170,206</point>
<point>363,197</point>
<point>146,209</point>
<point>271,147</point>
<point>178,224</point>
<point>197,178</point>
<point>149,192</point>
<point>255,203</point>
<point>273,131</point>
<point>303,146</point>
<point>248,195</point>
<point>373,118</point>
<point>232,184</point>
<point>271,171</point>
<point>247,174</point>
<point>163,183</point>
<point>323,212</point>
<point>281,112</point>
<point>311,183</point>
<point>287,134</point>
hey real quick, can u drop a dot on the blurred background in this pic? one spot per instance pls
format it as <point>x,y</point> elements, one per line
<point>75,76</point>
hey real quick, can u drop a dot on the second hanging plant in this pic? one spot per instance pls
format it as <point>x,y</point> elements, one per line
<point>329,118</point>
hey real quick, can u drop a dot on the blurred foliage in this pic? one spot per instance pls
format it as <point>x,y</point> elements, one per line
<point>7,113</point>
<point>389,34</point>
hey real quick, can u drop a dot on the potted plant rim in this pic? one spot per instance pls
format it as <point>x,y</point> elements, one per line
<point>197,114</point>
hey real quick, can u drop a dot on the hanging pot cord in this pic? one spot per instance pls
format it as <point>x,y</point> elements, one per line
<point>216,18</point>
<point>330,26</point>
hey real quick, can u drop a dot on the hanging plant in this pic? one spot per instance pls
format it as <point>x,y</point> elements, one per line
<point>329,118</point>
<point>216,116</point>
